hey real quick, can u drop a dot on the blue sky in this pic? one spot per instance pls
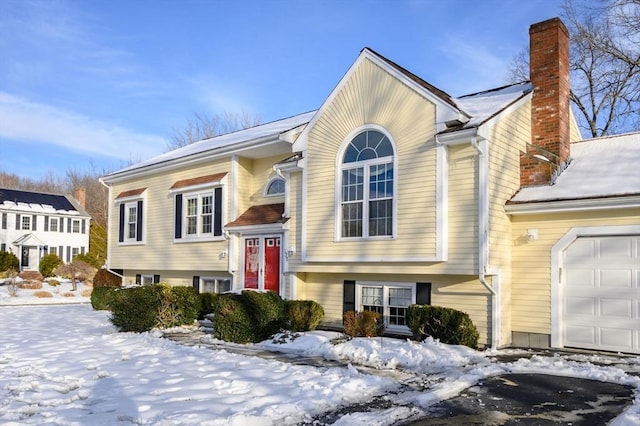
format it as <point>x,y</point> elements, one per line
<point>101,83</point>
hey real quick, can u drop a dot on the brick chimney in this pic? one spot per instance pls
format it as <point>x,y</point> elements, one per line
<point>549,73</point>
<point>81,196</point>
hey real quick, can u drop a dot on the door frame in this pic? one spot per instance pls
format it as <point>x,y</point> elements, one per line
<point>261,255</point>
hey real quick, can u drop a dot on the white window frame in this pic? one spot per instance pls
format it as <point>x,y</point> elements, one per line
<point>53,220</point>
<point>272,182</point>
<point>25,222</point>
<point>74,252</point>
<point>75,226</point>
<point>146,280</point>
<point>217,282</point>
<point>128,223</point>
<point>198,196</point>
<point>385,303</point>
<point>366,166</point>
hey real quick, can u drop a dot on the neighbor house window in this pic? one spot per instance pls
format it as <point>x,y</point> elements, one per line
<point>75,226</point>
<point>53,250</point>
<point>26,223</point>
<point>275,187</point>
<point>53,224</point>
<point>131,216</point>
<point>214,285</point>
<point>367,187</point>
<point>74,252</point>
<point>390,300</point>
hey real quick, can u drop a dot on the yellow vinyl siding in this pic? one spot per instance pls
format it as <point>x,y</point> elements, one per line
<point>262,175</point>
<point>531,297</point>
<point>408,118</point>
<point>159,251</point>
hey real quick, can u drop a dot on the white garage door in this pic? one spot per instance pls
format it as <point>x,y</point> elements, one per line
<point>602,293</point>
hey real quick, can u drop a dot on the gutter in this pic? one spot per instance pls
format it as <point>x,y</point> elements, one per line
<point>108,222</point>
<point>481,146</point>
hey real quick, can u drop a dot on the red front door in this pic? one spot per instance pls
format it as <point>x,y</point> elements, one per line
<point>262,263</point>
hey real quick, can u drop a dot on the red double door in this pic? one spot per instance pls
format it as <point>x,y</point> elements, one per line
<point>262,263</point>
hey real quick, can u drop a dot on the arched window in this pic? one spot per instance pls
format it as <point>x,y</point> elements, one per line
<point>275,187</point>
<point>367,186</point>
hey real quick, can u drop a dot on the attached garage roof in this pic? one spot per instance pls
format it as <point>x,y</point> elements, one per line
<point>600,168</point>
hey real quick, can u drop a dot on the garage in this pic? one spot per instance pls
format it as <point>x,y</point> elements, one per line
<point>601,293</point>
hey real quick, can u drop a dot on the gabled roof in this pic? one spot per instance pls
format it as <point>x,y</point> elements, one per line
<point>267,214</point>
<point>39,202</point>
<point>600,168</point>
<point>226,143</point>
<point>28,240</point>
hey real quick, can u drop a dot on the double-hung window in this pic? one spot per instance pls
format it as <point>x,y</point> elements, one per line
<point>26,223</point>
<point>367,187</point>
<point>131,217</point>
<point>198,208</point>
<point>390,300</point>
<point>53,224</point>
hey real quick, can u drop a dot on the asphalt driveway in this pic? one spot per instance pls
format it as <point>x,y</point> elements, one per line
<point>532,399</point>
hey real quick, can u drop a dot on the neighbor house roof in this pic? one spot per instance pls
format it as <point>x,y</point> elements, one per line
<point>599,168</point>
<point>39,202</point>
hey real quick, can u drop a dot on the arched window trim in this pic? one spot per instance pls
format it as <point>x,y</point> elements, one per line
<point>340,166</point>
<point>271,182</point>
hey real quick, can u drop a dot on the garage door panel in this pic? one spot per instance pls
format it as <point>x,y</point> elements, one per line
<point>601,294</point>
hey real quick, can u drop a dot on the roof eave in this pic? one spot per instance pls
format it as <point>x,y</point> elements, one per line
<point>583,204</point>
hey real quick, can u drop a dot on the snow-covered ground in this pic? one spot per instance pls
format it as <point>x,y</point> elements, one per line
<point>57,294</point>
<point>67,365</point>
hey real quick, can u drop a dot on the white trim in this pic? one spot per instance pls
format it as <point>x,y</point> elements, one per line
<point>588,204</point>
<point>233,210</point>
<point>200,186</point>
<point>343,259</point>
<point>270,182</point>
<point>385,286</point>
<point>442,203</point>
<point>557,314</point>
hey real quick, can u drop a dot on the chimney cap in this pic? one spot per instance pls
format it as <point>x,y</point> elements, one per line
<point>548,24</point>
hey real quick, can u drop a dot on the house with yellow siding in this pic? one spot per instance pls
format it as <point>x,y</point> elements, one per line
<point>394,193</point>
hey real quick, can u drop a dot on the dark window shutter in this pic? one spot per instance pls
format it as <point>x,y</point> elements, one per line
<point>81,250</point>
<point>349,296</point>
<point>121,224</point>
<point>69,254</point>
<point>69,227</point>
<point>138,279</point>
<point>46,223</point>
<point>84,226</point>
<point>178,218</point>
<point>196,283</point>
<point>156,279</point>
<point>139,222</point>
<point>3,247</point>
<point>4,221</point>
<point>61,252</point>
<point>217,212</point>
<point>34,225</point>
<point>61,222</point>
<point>17,221</point>
<point>423,293</point>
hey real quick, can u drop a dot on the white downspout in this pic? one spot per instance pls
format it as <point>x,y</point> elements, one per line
<point>482,148</point>
<point>288,277</point>
<point>108,223</point>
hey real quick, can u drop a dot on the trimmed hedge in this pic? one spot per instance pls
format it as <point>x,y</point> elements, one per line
<point>267,311</point>
<point>448,325</point>
<point>207,304</point>
<point>303,315</point>
<point>8,261</point>
<point>104,278</point>
<point>142,308</point>
<point>101,298</point>
<point>363,324</point>
<point>48,264</point>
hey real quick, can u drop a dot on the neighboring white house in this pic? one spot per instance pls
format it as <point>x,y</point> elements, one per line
<point>34,224</point>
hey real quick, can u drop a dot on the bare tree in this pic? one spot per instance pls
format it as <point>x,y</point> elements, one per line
<point>203,127</point>
<point>605,64</point>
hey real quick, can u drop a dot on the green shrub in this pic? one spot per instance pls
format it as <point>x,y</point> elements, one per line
<point>448,325</point>
<point>136,308</point>
<point>363,324</point>
<point>143,308</point>
<point>232,320</point>
<point>101,298</point>
<point>267,312</point>
<point>207,304</point>
<point>48,264</point>
<point>303,315</point>
<point>90,259</point>
<point>104,278</point>
<point>8,261</point>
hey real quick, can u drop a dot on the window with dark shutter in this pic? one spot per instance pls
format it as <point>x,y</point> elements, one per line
<point>62,224</point>
<point>84,226</point>
<point>46,224</point>
<point>348,296</point>
<point>69,228</point>
<point>156,279</point>
<point>178,217</point>
<point>3,247</point>
<point>138,279</point>
<point>4,221</point>
<point>17,222</point>
<point>35,222</point>
<point>68,253</point>
<point>196,283</point>
<point>121,224</point>
<point>139,220</point>
<point>423,293</point>
<point>217,211</point>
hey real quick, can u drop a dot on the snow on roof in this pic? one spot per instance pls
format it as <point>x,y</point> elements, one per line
<point>601,167</point>
<point>484,105</point>
<point>271,129</point>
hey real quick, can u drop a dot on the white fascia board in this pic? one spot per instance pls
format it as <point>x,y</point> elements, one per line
<point>257,229</point>
<point>457,138</point>
<point>367,259</point>
<point>610,203</point>
<point>192,160</point>
<point>444,111</point>
<point>289,167</point>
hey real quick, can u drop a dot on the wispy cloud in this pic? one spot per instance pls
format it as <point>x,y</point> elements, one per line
<point>45,124</point>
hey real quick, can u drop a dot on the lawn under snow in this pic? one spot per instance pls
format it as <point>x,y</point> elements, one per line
<point>67,365</point>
